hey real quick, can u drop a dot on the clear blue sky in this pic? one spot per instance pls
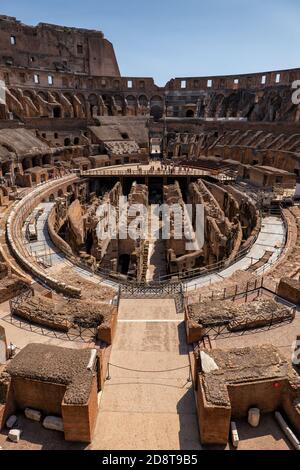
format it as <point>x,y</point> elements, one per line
<point>175,38</point>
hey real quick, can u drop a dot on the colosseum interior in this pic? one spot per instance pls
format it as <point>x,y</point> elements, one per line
<point>116,342</point>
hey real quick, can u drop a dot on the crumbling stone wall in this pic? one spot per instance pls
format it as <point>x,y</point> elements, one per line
<point>18,215</point>
<point>101,91</point>
<point>179,259</point>
<point>222,236</point>
<point>249,216</point>
<point>230,382</point>
<point>57,381</point>
<point>289,289</point>
<point>288,263</point>
<point>57,48</point>
<point>209,315</point>
<point>54,223</point>
<point>135,249</point>
<point>60,314</point>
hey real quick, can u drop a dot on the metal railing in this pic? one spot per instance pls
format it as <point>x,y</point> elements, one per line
<point>58,324</point>
<point>187,171</point>
<point>233,292</point>
<point>18,214</point>
<point>212,268</point>
<point>16,302</point>
<point>224,264</point>
<point>253,291</point>
<point>159,290</point>
<point>175,278</point>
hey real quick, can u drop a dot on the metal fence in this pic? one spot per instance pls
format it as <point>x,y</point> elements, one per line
<point>159,291</point>
<point>146,290</point>
<point>72,330</point>
<point>212,268</point>
<point>255,321</point>
<point>179,278</point>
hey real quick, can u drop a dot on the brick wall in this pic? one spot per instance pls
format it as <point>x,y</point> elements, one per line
<point>292,412</point>
<point>43,396</point>
<point>289,290</point>
<point>8,408</point>
<point>80,420</point>
<point>106,332</point>
<point>194,332</point>
<point>262,395</point>
<point>214,421</point>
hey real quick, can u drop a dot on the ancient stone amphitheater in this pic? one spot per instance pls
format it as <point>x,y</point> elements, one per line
<point>118,342</point>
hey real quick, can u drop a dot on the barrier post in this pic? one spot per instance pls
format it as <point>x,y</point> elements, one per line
<point>108,377</point>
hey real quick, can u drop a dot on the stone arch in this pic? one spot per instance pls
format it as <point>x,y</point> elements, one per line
<point>131,105</point>
<point>29,94</point>
<point>108,103</point>
<point>47,159</point>
<point>93,105</point>
<point>67,142</point>
<point>156,99</point>
<point>37,160</point>
<point>15,91</point>
<point>57,109</point>
<point>31,103</point>
<point>190,113</point>
<point>68,101</point>
<point>43,95</point>
<point>143,100</point>
<point>44,103</point>
<point>57,112</point>
<point>60,193</point>
<point>157,107</point>
<point>51,198</point>
<point>26,163</point>
<point>80,106</point>
<point>56,96</point>
<point>15,102</point>
<point>8,147</point>
<point>131,100</point>
<point>6,167</point>
<point>119,104</point>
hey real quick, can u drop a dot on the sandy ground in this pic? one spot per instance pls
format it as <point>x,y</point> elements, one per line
<point>21,333</point>
<point>282,336</point>
<point>267,436</point>
<point>146,410</point>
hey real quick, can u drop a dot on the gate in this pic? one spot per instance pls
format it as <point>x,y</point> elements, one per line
<point>155,291</point>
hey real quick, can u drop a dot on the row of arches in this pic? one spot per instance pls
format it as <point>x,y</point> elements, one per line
<point>68,141</point>
<point>71,190</point>
<point>58,104</point>
<point>40,160</point>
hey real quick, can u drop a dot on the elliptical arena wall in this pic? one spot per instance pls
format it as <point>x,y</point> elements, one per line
<point>16,219</point>
<point>55,238</point>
